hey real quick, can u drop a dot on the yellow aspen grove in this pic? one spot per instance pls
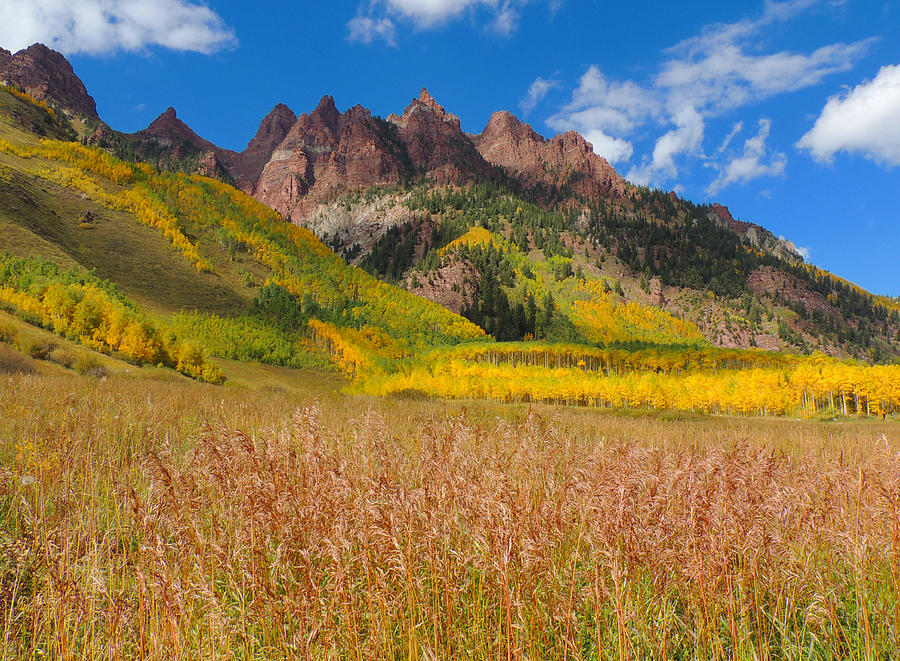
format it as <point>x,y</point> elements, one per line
<point>79,307</point>
<point>793,387</point>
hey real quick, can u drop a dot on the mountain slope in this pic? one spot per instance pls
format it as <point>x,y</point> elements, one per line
<point>187,245</point>
<point>638,298</point>
<point>46,75</point>
<point>566,162</point>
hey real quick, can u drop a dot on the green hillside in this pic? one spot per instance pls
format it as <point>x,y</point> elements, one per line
<point>648,248</point>
<point>170,270</point>
<point>203,259</point>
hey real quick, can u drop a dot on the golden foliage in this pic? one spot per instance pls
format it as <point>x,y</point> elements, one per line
<point>29,99</point>
<point>133,528</point>
<point>86,312</point>
<point>706,380</point>
<point>475,236</point>
<point>602,318</point>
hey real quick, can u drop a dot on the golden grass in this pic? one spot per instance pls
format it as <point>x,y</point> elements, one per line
<point>151,519</point>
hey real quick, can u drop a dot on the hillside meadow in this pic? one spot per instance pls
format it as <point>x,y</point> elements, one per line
<point>163,518</point>
<point>220,440</point>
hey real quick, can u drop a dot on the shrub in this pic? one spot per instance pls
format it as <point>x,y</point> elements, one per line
<point>13,362</point>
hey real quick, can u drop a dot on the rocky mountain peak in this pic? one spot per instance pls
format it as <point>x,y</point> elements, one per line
<point>425,102</point>
<point>46,75</point>
<point>167,117</point>
<point>272,130</point>
<point>504,126</point>
<point>321,153</point>
<point>426,99</point>
<point>574,141</point>
<point>168,130</point>
<point>356,114</point>
<point>167,125</point>
<point>326,113</point>
<point>512,144</point>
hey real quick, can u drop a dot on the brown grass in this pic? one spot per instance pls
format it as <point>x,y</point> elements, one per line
<point>176,520</point>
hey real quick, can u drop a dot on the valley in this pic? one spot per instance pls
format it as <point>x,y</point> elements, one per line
<point>381,388</point>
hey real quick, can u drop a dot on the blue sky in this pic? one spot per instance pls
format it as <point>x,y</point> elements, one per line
<point>788,112</point>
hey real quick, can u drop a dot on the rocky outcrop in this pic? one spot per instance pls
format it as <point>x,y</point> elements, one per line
<point>324,152</point>
<point>272,131</point>
<point>360,225</point>
<point>103,137</point>
<point>47,76</point>
<point>785,288</point>
<point>454,285</point>
<point>171,144</point>
<point>208,165</point>
<point>436,145</point>
<point>723,214</point>
<point>566,161</point>
<point>756,235</point>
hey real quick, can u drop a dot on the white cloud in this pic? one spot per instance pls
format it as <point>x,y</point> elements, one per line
<point>536,93</point>
<point>866,120</point>
<point>503,15</point>
<point>366,30</point>
<point>614,150</point>
<point>687,137</point>
<point>735,129</point>
<point>598,104</point>
<point>427,13</point>
<point>600,108</point>
<point>751,163</point>
<point>726,77</point>
<point>506,19</point>
<point>707,76</point>
<point>99,26</point>
<point>716,35</point>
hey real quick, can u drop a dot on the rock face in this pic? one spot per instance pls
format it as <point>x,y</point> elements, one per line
<point>453,285</point>
<point>784,287</point>
<point>47,76</point>
<point>435,143</point>
<point>272,130</point>
<point>724,216</point>
<point>323,152</point>
<point>361,224</point>
<point>102,136</point>
<point>566,160</point>
<point>327,151</point>
<point>756,235</point>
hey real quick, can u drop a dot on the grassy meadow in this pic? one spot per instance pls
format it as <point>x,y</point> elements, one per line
<point>280,513</point>
<point>276,518</point>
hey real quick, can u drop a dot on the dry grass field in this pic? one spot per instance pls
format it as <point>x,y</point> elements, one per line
<point>142,518</point>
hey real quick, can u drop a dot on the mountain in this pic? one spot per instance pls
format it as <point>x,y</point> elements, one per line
<point>170,144</point>
<point>272,130</point>
<point>500,225</point>
<point>565,161</point>
<point>46,75</point>
<point>326,152</point>
<point>166,268</point>
<point>323,152</point>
